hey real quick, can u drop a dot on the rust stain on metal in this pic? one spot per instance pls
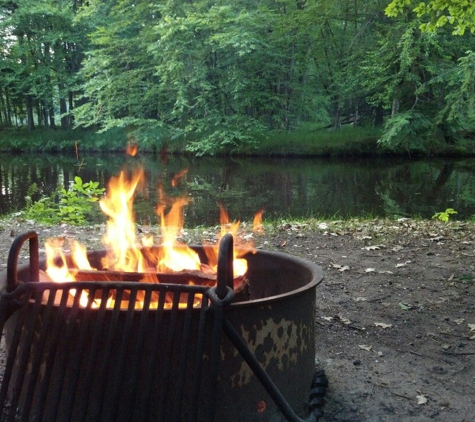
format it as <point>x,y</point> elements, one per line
<point>278,343</point>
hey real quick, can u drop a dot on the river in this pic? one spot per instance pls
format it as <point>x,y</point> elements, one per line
<point>285,188</point>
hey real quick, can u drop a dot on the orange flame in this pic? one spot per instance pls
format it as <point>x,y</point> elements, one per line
<point>257,223</point>
<point>132,149</point>
<point>123,253</point>
<point>126,253</point>
<point>176,179</point>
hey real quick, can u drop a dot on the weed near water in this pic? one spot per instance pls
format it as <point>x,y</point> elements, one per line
<point>73,206</point>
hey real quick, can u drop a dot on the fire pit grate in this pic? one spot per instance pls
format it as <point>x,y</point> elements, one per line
<point>73,357</point>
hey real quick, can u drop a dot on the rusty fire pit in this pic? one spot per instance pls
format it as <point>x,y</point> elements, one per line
<point>73,361</point>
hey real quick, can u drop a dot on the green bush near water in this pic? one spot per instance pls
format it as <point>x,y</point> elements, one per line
<point>74,206</point>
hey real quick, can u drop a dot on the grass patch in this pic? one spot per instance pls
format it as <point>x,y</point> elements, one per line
<point>306,141</point>
<point>309,141</point>
<point>44,140</point>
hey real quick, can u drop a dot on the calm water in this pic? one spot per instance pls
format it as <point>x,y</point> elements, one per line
<point>292,188</point>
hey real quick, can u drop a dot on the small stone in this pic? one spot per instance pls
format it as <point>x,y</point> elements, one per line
<point>356,362</point>
<point>439,370</point>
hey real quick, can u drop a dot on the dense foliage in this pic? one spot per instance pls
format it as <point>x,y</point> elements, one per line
<point>217,76</point>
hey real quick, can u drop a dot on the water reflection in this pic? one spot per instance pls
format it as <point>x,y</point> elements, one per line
<point>295,188</point>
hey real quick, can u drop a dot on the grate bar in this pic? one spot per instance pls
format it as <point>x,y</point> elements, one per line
<point>84,390</point>
<point>184,347</point>
<point>131,384</point>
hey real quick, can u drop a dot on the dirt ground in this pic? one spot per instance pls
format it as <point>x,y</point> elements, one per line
<point>395,319</point>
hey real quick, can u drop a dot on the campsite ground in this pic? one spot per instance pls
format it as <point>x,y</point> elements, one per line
<point>395,317</point>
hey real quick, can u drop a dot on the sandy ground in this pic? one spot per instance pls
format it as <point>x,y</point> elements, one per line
<point>395,321</point>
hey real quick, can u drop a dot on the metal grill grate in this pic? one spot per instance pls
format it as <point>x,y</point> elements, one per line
<point>68,361</point>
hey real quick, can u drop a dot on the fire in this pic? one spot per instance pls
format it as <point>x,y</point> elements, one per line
<point>126,254</point>
<point>257,223</point>
<point>56,265</point>
<point>131,149</point>
<point>120,241</point>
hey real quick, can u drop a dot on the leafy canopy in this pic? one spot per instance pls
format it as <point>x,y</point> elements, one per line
<point>437,13</point>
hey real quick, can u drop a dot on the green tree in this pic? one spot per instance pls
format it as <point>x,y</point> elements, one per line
<point>41,58</point>
<point>418,77</point>
<point>436,13</point>
<point>213,74</point>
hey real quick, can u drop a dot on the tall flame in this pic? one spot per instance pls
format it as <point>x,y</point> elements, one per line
<point>173,258</point>
<point>120,240</point>
<point>126,253</point>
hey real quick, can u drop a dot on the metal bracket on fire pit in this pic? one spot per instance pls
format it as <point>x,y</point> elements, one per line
<point>83,351</point>
<point>14,254</point>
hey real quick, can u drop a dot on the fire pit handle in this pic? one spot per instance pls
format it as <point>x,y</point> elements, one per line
<point>12,264</point>
<point>225,266</point>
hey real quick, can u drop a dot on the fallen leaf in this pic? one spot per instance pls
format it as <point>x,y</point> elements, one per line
<point>371,248</point>
<point>421,399</point>
<point>459,321</point>
<point>385,272</point>
<point>383,325</point>
<point>365,238</point>
<point>397,248</point>
<point>344,320</point>
<point>451,277</point>
<point>327,318</point>
<point>323,226</point>
<point>369,270</point>
<point>361,299</point>
<point>400,265</point>
<point>404,306</point>
<point>472,327</point>
<point>365,347</point>
<point>345,268</point>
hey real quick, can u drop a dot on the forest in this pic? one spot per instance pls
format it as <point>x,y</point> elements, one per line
<point>217,76</point>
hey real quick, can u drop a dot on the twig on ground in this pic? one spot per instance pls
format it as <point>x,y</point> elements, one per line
<point>396,394</point>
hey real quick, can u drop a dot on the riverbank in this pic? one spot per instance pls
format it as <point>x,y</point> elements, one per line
<point>348,141</point>
<point>395,319</point>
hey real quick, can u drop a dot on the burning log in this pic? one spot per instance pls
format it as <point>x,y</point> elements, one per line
<point>188,277</point>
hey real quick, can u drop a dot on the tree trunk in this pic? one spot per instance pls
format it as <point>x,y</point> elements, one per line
<point>8,107</point>
<point>63,111</point>
<point>395,107</point>
<point>52,122</point>
<point>44,113</point>
<point>3,111</point>
<point>29,113</point>
<point>378,116</point>
<point>39,115</point>
<point>337,117</point>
